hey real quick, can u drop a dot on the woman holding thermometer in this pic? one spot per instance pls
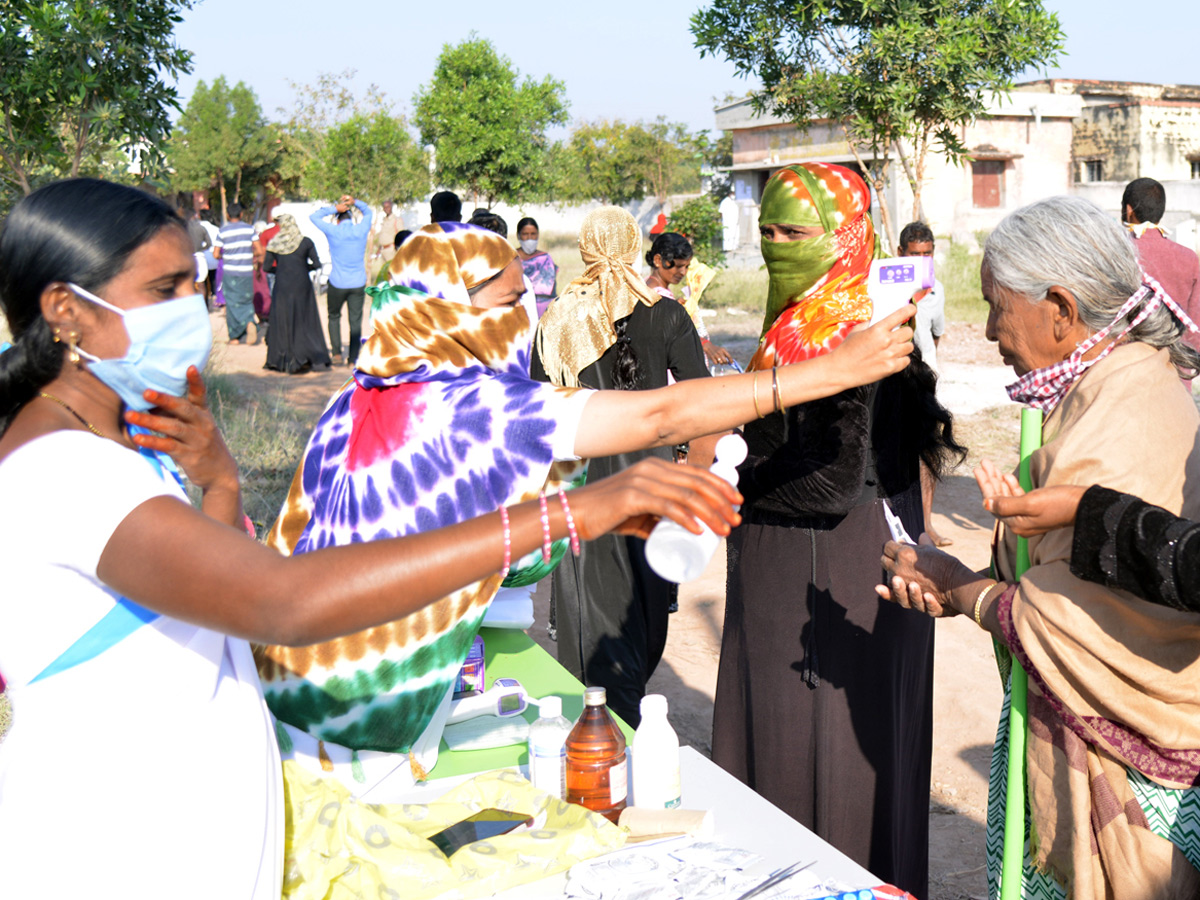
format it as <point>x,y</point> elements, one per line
<point>824,694</point>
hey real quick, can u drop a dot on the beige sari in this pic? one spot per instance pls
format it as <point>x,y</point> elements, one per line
<point>1114,681</point>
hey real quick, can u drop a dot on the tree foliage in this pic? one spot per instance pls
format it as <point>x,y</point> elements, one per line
<point>887,70</point>
<point>489,127</point>
<point>700,220</point>
<point>372,157</point>
<point>617,162</point>
<point>223,141</point>
<point>80,77</point>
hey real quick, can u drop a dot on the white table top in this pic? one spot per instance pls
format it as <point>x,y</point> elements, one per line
<point>742,819</point>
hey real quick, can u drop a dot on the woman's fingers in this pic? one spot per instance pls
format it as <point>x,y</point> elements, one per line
<point>197,392</point>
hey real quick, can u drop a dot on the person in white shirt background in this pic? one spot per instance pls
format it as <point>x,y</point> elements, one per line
<point>929,324</point>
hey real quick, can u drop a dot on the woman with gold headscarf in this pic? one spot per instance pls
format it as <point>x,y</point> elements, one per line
<point>295,342</point>
<point>608,330</point>
<point>824,694</point>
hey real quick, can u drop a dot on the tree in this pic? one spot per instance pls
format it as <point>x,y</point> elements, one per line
<point>78,77</point>
<point>617,162</point>
<point>700,220</point>
<point>887,70</point>
<point>372,157</point>
<point>223,140</point>
<point>489,130</point>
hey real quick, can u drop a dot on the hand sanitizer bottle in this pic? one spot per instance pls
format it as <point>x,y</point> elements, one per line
<point>674,552</point>
<point>548,748</point>
<point>655,758</point>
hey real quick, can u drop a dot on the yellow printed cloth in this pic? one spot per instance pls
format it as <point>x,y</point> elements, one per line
<point>338,848</point>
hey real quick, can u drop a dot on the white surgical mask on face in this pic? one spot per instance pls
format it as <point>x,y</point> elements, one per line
<point>165,339</point>
<point>529,246</point>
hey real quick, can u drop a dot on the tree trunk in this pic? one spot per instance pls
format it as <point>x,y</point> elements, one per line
<point>914,183</point>
<point>879,182</point>
<point>921,151</point>
<point>237,186</point>
<point>224,205</point>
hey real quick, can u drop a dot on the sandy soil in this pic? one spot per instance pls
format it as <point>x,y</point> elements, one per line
<point>967,687</point>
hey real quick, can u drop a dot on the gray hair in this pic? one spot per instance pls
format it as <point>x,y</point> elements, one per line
<point>1071,242</point>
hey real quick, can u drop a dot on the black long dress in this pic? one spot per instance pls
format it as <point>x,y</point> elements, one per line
<point>295,341</point>
<point>611,608</point>
<point>824,701</point>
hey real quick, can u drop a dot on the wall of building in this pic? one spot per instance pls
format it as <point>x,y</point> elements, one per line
<point>1112,132</point>
<point>1169,134</point>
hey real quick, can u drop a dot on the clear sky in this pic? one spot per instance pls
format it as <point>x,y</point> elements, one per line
<point>625,59</point>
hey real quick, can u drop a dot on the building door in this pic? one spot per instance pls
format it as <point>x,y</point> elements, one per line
<point>987,183</point>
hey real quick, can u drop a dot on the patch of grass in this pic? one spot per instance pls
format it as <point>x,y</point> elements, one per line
<point>744,289</point>
<point>267,437</point>
<point>959,274</point>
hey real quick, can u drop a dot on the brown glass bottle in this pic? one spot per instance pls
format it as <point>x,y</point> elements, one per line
<point>596,763</point>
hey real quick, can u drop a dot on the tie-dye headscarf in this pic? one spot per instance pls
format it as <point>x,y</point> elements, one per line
<point>818,288</point>
<point>440,423</point>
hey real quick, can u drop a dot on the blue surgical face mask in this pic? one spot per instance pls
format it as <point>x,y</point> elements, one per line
<point>165,338</point>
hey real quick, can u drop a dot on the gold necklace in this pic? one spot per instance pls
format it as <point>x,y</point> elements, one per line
<point>86,424</point>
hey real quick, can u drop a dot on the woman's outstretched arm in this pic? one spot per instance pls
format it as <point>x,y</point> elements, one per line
<point>170,558</point>
<point>623,421</point>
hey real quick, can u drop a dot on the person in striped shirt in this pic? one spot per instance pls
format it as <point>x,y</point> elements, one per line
<point>236,244</point>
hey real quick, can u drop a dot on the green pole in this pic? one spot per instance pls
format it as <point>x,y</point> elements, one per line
<point>1014,807</point>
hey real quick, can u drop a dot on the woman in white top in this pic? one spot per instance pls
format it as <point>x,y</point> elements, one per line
<point>141,756</point>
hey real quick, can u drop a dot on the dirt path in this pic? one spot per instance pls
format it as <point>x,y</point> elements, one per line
<point>967,688</point>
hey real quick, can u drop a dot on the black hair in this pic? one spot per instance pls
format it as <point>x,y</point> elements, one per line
<point>485,218</point>
<point>671,246</point>
<point>527,221</point>
<point>626,374</point>
<point>908,408</point>
<point>82,231</point>
<point>915,233</point>
<point>234,210</point>
<point>444,206</point>
<point>1148,199</point>
<point>400,238</point>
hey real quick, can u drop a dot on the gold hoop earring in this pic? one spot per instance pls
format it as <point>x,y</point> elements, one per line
<point>72,350</point>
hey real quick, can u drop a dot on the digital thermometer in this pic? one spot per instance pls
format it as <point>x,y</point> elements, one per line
<point>893,282</point>
<point>505,697</point>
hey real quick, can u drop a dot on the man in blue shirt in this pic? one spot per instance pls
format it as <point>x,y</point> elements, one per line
<point>348,280</point>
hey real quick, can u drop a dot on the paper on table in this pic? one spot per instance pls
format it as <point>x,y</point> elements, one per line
<point>648,824</point>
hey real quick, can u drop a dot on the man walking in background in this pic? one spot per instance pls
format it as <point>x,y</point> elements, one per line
<point>383,242</point>
<point>348,280</point>
<point>1172,265</point>
<point>236,245</point>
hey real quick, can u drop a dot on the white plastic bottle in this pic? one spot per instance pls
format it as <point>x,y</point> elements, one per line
<point>655,758</point>
<point>674,552</point>
<point>547,748</point>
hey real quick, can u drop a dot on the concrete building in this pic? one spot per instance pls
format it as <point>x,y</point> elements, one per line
<point>1020,151</point>
<point>1129,130</point>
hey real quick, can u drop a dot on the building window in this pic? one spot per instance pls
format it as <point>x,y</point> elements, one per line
<point>1195,168</point>
<point>1093,170</point>
<point>987,183</point>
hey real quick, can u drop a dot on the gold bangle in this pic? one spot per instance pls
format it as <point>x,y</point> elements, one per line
<point>775,389</point>
<point>979,603</point>
<point>757,411</point>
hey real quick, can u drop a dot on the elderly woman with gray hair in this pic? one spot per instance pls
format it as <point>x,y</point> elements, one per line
<point>1113,751</point>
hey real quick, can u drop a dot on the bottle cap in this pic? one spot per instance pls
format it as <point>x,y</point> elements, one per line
<point>595,696</point>
<point>731,450</point>
<point>654,704</point>
<point>550,707</point>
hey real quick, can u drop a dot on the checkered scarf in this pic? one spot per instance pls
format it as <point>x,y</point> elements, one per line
<point>1044,388</point>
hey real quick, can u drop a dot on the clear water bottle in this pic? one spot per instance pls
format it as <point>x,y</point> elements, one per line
<point>655,758</point>
<point>597,776</point>
<point>548,748</point>
<point>674,552</point>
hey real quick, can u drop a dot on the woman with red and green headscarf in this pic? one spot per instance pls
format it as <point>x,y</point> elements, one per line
<point>824,699</point>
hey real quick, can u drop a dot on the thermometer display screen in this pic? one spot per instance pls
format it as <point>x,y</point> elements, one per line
<point>510,703</point>
<point>903,273</point>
